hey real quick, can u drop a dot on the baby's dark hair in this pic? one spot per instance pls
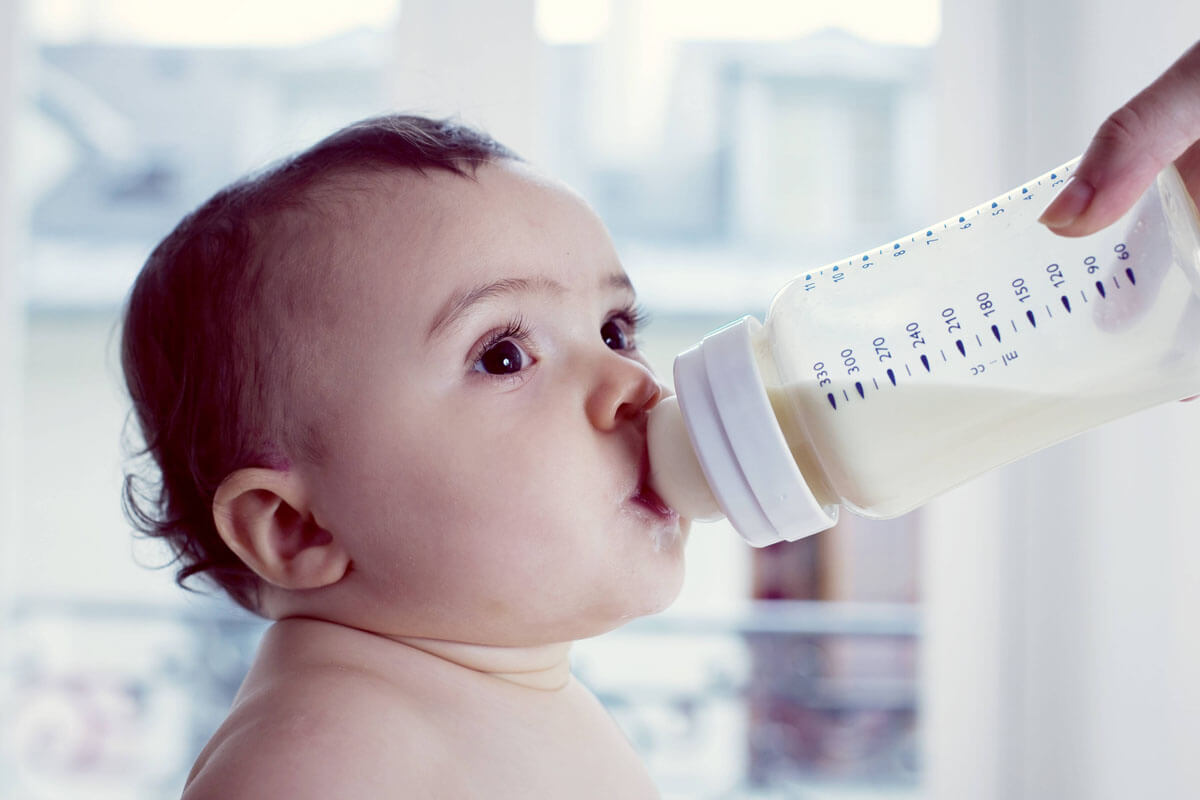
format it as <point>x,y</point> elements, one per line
<point>205,346</point>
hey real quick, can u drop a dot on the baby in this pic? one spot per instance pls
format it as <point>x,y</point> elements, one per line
<point>394,391</point>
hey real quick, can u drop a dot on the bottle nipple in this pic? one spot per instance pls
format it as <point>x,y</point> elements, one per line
<point>675,473</point>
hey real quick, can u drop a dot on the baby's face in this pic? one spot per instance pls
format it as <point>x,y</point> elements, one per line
<point>484,406</point>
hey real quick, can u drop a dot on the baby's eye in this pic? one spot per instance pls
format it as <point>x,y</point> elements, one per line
<point>503,358</point>
<point>616,336</point>
<point>621,329</point>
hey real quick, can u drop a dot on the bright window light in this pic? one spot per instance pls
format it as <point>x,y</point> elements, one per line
<point>572,21</point>
<point>211,23</point>
<point>286,22</point>
<point>909,22</point>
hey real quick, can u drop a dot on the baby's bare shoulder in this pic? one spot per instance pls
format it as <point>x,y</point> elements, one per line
<point>331,732</point>
<point>329,713</point>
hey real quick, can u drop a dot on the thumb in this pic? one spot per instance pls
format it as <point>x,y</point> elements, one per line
<point>1130,148</point>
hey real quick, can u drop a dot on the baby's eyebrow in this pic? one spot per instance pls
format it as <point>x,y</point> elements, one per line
<point>460,302</point>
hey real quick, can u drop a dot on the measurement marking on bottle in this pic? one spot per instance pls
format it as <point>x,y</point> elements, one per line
<point>876,382</point>
<point>1066,303</point>
<point>1129,274</point>
<point>962,349</point>
<point>1116,283</point>
<point>925,362</point>
<point>1100,288</point>
<point>1014,324</point>
<point>978,341</point>
<point>1083,294</point>
<point>996,332</point>
<point>909,371</point>
<point>846,395</point>
<point>1048,313</point>
<point>832,400</point>
<point>1032,320</point>
<point>943,352</point>
<point>891,377</point>
<point>861,392</point>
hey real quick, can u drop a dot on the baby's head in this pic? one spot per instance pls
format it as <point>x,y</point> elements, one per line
<point>393,382</point>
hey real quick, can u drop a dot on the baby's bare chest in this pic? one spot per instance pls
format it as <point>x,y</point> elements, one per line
<point>578,766</point>
<point>575,752</point>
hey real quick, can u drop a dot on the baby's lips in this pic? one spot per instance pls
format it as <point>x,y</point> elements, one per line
<point>643,492</point>
<point>649,497</point>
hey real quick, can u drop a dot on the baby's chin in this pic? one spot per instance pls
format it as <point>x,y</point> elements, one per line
<point>667,583</point>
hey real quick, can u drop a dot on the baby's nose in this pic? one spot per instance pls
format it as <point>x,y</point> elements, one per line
<point>625,389</point>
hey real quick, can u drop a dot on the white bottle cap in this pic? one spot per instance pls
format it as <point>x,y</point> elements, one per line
<point>739,443</point>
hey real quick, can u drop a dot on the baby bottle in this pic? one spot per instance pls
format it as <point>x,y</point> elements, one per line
<point>884,379</point>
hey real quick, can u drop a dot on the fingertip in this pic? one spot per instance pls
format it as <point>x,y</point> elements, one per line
<point>1069,207</point>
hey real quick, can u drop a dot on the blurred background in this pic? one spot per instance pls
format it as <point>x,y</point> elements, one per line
<point>1029,635</point>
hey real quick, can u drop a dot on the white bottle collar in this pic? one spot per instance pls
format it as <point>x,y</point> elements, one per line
<point>738,442</point>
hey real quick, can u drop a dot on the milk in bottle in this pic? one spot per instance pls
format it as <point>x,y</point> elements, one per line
<point>884,379</point>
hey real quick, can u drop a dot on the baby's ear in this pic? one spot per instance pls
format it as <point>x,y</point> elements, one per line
<point>263,516</point>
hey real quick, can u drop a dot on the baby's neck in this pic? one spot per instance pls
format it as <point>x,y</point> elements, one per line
<point>541,667</point>
<point>544,668</point>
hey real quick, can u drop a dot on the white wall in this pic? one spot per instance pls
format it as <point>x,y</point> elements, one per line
<point>1061,657</point>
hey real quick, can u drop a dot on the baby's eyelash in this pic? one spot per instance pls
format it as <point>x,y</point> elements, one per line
<point>635,316</point>
<point>516,328</point>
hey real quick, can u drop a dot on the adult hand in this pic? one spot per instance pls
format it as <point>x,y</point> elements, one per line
<point>1158,126</point>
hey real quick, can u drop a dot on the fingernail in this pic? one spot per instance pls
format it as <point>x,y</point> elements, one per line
<point>1072,201</point>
